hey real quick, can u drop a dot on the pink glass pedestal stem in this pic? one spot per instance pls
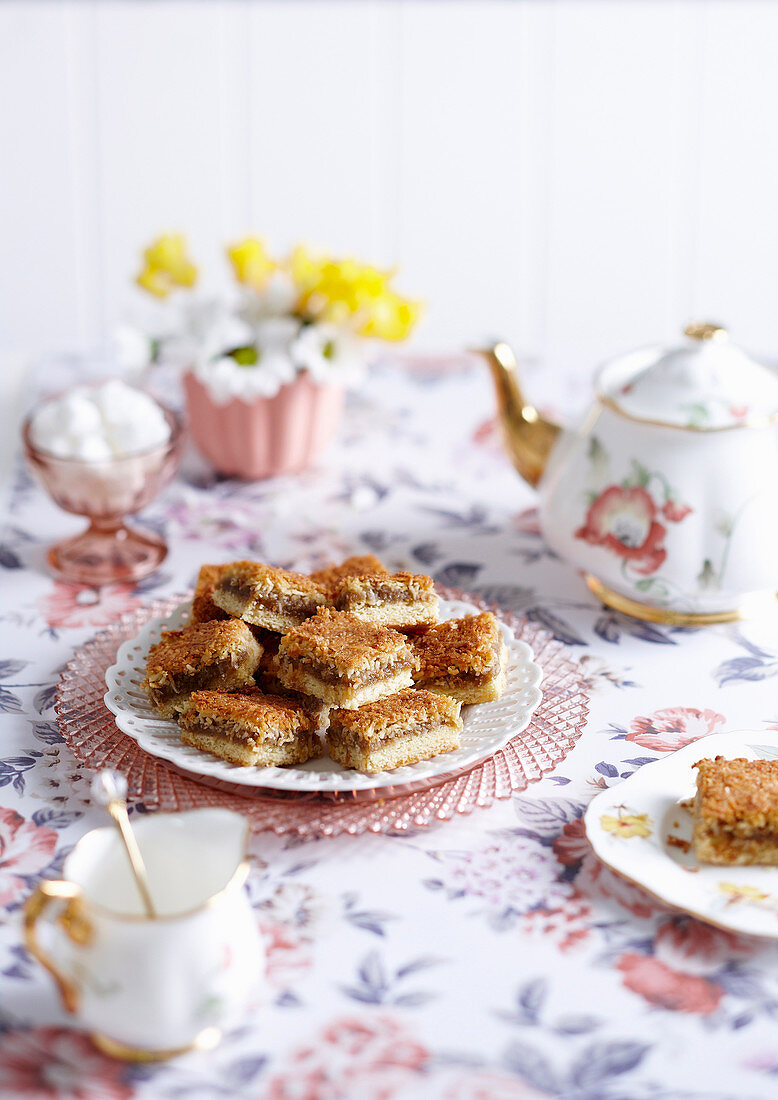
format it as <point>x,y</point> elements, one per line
<point>108,552</point>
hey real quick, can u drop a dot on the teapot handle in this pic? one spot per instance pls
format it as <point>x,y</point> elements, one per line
<point>74,923</point>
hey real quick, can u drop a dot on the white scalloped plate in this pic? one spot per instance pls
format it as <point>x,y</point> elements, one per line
<point>628,826</point>
<point>487,727</point>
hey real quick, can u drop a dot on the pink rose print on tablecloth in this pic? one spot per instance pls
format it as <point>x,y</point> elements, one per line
<point>25,849</point>
<point>667,988</point>
<point>70,606</point>
<point>287,957</point>
<point>672,728</point>
<point>511,875</point>
<point>53,1063</point>
<point>370,1057</point>
<point>692,947</point>
<point>680,971</point>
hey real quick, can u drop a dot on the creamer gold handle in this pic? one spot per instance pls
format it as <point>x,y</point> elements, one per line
<point>74,923</point>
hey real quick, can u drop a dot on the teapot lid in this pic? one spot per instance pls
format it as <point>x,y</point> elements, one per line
<point>706,383</point>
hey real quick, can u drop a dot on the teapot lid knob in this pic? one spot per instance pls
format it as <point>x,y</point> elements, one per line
<point>706,330</point>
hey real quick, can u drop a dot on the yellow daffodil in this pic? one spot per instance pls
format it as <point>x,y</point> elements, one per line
<point>339,291</point>
<point>305,269</point>
<point>626,824</point>
<point>166,266</point>
<point>390,317</point>
<point>251,262</point>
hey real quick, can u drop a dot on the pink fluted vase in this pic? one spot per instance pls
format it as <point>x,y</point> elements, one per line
<point>268,435</point>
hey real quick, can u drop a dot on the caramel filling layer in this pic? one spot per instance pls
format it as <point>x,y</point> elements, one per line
<point>198,680</point>
<point>374,595</point>
<point>329,675</point>
<point>283,603</point>
<point>386,737</point>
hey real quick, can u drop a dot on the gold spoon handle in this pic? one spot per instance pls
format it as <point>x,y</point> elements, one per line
<point>118,811</point>
<point>109,789</point>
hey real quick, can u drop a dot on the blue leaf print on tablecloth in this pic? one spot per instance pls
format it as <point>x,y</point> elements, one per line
<point>458,574</point>
<point>12,770</point>
<point>48,733</point>
<point>546,817</point>
<point>375,986</point>
<point>9,559</point>
<point>561,629</point>
<point>745,668</point>
<point>44,699</point>
<point>604,1060</point>
<point>532,1066</point>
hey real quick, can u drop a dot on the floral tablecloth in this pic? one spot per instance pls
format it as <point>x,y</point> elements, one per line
<point>488,957</point>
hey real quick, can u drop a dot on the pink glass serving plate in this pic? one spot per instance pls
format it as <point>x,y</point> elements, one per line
<point>90,731</point>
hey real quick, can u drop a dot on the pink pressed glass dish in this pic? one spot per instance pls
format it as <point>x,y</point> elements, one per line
<point>106,491</point>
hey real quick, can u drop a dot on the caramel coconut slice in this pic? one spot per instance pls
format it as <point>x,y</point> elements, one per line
<point>736,811</point>
<point>344,661</point>
<point>394,732</point>
<point>213,655</point>
<point>466,659</point>
<point>250,728</point>
<point>388,599</point>
<point>203,608</point>
<point>268,597</point>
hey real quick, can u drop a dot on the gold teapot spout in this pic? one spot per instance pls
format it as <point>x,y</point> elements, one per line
<point>529,437</point>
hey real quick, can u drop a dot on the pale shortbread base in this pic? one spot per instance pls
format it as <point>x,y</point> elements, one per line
<point>723,848</point>
<point>339,695</point>
<point>482,693</point>
<point>397,614</point>
<point>409,748</point>
<point>272,754</point>
<point>258,616</point>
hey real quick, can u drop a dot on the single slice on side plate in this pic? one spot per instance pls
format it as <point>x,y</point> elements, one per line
<point>736,811</point>
<point>250,728</point>
<point>214,655</point>
<point>465,659</point>
<point>268,597</point>
<point>394,732</point>
<point>203,607</point>
<point>388,599</point>
<point>344,661</point>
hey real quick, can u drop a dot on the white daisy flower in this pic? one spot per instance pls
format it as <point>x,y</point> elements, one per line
<point>329,353</point>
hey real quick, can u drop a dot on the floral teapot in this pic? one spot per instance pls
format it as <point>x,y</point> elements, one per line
<point>667,495</point>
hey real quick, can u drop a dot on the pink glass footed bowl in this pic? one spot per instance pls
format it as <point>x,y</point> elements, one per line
<point>269,435</point>
<point>106,491</point>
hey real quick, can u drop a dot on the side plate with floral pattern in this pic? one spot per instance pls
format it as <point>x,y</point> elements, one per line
<point>629,825</point>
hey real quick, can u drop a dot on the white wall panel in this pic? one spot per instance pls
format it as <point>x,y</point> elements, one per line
<point>619,90</point>
<point>579,175</point>
<point>39,289</point>
<point>460,228</point>
<point>313,143</point>
<point>736,276</point>
<point>158,145</point>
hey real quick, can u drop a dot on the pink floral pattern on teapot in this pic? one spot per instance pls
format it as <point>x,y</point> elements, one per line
<point>625,519</point>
